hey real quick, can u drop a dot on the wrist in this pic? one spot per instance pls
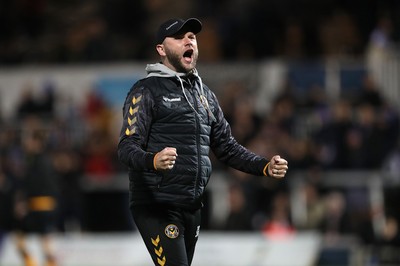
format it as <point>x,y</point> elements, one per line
<point>266,170</point>
<point>149,161</point>
<point>154,161</point>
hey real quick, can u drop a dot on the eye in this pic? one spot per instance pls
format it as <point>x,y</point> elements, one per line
<point>190,36</point>
<point>179,37</point>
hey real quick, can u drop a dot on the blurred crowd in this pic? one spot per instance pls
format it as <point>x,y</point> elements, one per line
<point>314,133</point>
<point>358,132</point>
<point>44,31</point>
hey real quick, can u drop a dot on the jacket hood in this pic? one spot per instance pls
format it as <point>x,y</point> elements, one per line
<point>161,70</point>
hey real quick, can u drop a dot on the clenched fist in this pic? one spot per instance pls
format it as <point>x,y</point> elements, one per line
<point>165,159</point>
<point>277,167</point>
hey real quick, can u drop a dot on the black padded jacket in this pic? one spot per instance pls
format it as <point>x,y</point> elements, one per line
<point>170,109</point>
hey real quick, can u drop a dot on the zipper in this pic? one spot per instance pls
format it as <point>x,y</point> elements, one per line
<point>196,107</point>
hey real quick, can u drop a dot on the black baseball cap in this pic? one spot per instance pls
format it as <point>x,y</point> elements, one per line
<point>175,26</point>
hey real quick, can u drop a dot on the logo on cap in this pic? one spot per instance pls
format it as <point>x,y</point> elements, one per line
<point>167,28</point>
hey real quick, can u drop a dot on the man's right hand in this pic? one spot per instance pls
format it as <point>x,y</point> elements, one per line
<point>165,159</point>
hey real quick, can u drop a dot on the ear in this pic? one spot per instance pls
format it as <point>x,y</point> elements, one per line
<point>160,49</point>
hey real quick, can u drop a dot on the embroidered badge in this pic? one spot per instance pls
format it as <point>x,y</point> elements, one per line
<point>172,231</point>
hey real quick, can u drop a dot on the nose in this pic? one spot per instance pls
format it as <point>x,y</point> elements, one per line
<point>187,41</point>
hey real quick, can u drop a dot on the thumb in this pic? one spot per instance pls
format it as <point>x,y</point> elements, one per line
<point>276,159</point>
<point>171,150</point>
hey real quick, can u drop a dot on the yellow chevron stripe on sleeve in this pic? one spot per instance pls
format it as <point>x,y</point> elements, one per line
<point>129,132</point>
<point>155,241</point>
<point>133,111</point>
<point>132,121</point>
<point>136,100</point>
<point>162,261</point>
<point>159,251</point>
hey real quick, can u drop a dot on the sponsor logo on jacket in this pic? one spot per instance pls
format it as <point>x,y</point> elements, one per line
<point>176,99</point>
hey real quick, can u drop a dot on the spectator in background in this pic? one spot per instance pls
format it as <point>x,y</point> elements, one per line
<point>335,220</point>
<point>292,45</point>
<point>244,121</point>
<point>380,47</point>
<point>230,93</point>
<point>68,167</point>
<point>315,208</point>
<point>42,104</point>
<point>331,137</point>
<point>356,156</point>
<point>283,112</point>
<point>10,169</point>
<point>99,161</point>
<point>388,123</point>
<point>370,93</point>
<point>239,216</point>
<point>391,232</point>
<point>36,197</point>
<point>96,113</point>
<point>365,140</point>
<point>279,225</point>
<point>27,102</point>
<point>301,153</point>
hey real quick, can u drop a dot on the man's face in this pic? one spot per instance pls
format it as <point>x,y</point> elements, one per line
<point>180,52</point>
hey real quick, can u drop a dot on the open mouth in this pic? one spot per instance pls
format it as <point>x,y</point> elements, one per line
<point>188,55</point>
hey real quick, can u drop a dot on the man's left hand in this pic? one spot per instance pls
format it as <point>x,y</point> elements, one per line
<point>277,167</point>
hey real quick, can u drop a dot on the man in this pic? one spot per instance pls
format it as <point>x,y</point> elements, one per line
<point>171,121</point>
<point>36,198</point>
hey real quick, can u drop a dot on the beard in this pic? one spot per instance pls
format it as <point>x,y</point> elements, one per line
<point>175,60</point>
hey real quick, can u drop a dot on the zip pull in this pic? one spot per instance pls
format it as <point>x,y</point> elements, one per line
<point>204,102</point>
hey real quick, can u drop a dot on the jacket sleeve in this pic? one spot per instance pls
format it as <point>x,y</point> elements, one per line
<point>229,151</point>
<point>137,117</point>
